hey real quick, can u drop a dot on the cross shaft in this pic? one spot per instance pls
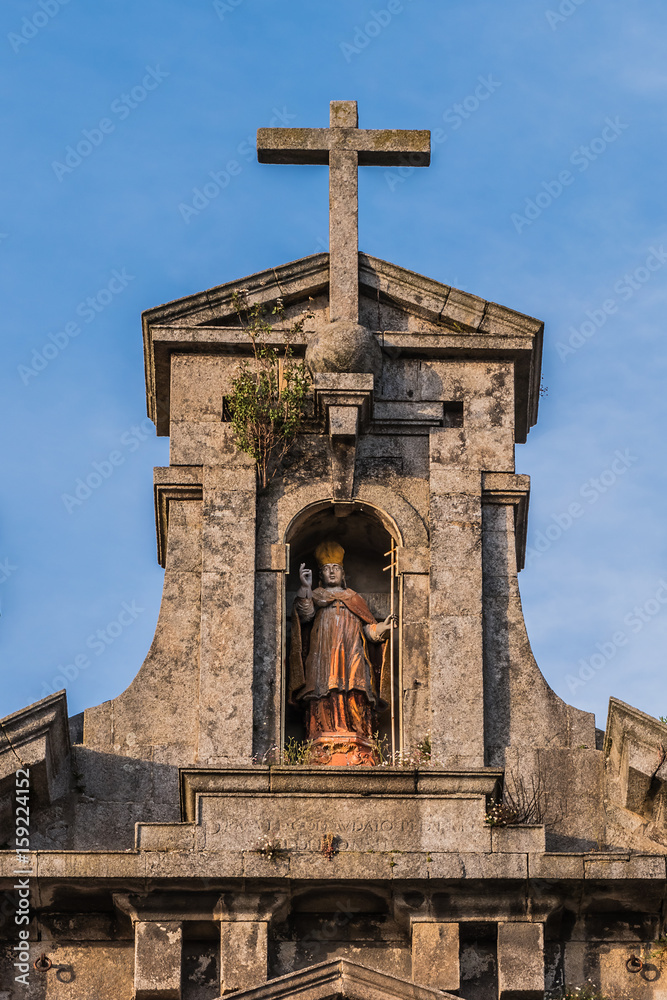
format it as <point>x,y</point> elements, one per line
<point>344,147</point>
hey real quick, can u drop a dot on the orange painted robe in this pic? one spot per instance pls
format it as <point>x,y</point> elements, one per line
<point>337,654</point>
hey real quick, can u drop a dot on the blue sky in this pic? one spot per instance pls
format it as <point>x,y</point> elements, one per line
<point>546,193</point>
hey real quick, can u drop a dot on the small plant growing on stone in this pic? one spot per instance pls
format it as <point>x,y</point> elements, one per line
<point>329,845</point>
<point>296,752</point>
<point>658,952</point>
<point>520,805</point>
<point>500,814</point>
<point>269,849</point>
<point>381,749</point>
<point>267,404</point>
<point>663,718</point>
<point>418,755</point>
<point>424,748</point>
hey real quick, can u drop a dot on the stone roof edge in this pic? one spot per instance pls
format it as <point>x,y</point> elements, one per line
<point>49,713</point>
<point>615,705</point>
<point>346,979</point>
<point>440,303</point>
<point>618,708</point>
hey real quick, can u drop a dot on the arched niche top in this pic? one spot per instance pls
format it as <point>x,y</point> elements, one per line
<point>366,534</point>
<point>325,517</point>
<point>398,517</point>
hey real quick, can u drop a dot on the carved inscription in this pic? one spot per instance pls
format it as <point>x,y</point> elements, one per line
<point>239,822</point>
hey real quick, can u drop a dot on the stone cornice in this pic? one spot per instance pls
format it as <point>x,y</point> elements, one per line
<point>131,868</point>
<point>463,326</point>
<point>37,738</point>
<point>332,781</point>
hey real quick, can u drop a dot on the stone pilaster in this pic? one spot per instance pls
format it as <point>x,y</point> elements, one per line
<point>413,569</point>
<point>227,616</point>
<point>270,675</point>
<point>456,649</point>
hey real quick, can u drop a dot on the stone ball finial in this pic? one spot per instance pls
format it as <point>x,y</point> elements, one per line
<point>344,346</point>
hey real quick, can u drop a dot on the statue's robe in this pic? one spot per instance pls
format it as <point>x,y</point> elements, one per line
<point>335,667</point>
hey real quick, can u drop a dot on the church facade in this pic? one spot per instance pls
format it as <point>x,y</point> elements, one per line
<point>488,842</point>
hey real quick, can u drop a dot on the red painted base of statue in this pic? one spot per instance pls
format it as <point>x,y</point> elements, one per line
<point>338,673</point>
<point>342,750</point>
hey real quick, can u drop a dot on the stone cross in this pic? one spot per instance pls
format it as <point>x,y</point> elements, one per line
<point>344,146</point>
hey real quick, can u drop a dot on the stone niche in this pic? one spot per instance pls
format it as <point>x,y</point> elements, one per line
<point>368,537</point>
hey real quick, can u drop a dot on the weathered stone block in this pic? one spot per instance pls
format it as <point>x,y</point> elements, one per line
<point>413,560</point>
<point>81,970</point>
<point>518,839</point>
<point>243,954</point>
<point>157,960</point>
<point>435,955</point>
<point>520,961</point>
<point>630,867</point>
<point>165,836</point>
<point>556,866</point>
<point>456,690</point>
<point>241,822</point>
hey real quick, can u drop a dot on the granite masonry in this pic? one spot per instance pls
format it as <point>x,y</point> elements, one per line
<point>171,854</point>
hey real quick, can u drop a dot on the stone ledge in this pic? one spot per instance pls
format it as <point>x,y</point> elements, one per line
<point>333,781</point>
<point>66,866</point>
<point>632,867</point>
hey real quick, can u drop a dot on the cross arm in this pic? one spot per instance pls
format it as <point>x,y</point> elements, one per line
<point>383,147</point>
<point>293,145</point>
<point>375,147</point>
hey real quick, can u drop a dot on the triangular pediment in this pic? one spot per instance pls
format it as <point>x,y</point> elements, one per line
<point>408,312</point>
<point>344,979</point>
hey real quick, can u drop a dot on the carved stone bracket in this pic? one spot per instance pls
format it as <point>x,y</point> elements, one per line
<point>508,488</point>
<point>345,404</point>
<point>178,483</point>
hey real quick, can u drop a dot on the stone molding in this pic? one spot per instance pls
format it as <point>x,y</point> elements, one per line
<point>643,874</point>
<point>468,327</point>
<point>179,482</point>
<point>343,979</point>
<point>345,404</point>
<point>636,777</point>
<point>404,523</point>
<point>37,737</point>
<point>508,488</point>
<point>331,781</point>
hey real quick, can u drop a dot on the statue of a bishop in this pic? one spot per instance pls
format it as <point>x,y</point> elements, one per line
<point>339,657</point>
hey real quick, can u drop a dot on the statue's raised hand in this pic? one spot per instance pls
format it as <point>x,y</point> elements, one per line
<point>306,576</point>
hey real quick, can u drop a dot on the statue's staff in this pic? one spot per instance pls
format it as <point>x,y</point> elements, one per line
<point>392,567</point>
